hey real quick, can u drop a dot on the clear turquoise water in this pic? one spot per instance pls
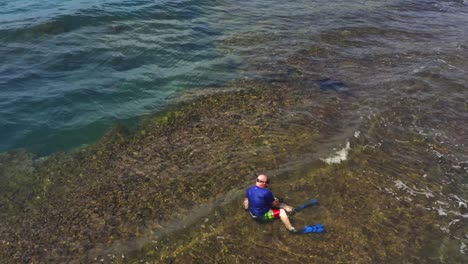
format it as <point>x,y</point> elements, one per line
<point>70,69</point>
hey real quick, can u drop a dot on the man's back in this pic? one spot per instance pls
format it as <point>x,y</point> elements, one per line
<point>260,200</point>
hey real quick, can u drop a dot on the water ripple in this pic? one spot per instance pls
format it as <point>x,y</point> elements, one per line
<point>114,60</point>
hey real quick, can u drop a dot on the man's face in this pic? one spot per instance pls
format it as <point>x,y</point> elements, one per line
<point>262,181</point>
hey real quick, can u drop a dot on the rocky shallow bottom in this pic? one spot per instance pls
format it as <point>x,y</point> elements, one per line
<point>170,190</point>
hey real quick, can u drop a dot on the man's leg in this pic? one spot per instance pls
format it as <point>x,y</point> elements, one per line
<point>286,207</point>
<point>281,214</point>
<point>285,219</point>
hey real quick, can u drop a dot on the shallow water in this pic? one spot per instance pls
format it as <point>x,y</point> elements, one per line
<point>383,80</point>
<point>71,69</point>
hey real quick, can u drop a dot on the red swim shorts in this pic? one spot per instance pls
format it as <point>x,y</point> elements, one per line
<point>270,215</point>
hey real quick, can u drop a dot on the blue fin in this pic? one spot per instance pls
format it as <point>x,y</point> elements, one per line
<point>318,228</point>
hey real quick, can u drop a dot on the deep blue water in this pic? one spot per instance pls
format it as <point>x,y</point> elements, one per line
<point>70,69</point>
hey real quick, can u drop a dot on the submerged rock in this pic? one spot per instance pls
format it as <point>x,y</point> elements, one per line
<point>334,86</point>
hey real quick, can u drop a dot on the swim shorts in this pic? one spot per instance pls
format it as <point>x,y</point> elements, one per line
<point>270,215</point>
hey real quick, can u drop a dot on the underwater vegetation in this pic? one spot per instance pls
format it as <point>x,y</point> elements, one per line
<point>170,190</point>
<point>75,205</point>
<point>379,206</point>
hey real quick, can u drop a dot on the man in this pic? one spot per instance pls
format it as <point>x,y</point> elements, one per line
<point>264,206</point>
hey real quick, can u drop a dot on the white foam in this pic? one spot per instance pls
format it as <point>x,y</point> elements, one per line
<point>461,202</point>
<point>463,248</point>
<point>464,216</point>
<point>445,229</point>
<point>454,221</point>
<point>448,64</point>
<point>340,155</point>
<point>437,153</point>
<point>357,134</point>
<point>441,212</point>
<point>413,191</point>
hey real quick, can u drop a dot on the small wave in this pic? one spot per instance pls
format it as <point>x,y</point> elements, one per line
<point>413,191</point>
<point>340,155</point>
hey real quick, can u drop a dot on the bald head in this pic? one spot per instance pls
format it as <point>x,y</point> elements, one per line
<point>262,181</point>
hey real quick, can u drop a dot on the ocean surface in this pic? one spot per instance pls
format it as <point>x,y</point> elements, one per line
<point>70,69</point>
<point>397,71</point>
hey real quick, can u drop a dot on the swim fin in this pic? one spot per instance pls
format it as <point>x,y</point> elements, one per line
<point>318,228</point>
<point>304,206</point>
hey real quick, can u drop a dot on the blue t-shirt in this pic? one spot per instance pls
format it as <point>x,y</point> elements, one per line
<point>260,200</point>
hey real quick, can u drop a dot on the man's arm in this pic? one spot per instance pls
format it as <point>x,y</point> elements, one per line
<point>275,203</point>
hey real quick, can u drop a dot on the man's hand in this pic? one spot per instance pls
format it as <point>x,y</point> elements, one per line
<point>275,203</point>
<point>246,204</point>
